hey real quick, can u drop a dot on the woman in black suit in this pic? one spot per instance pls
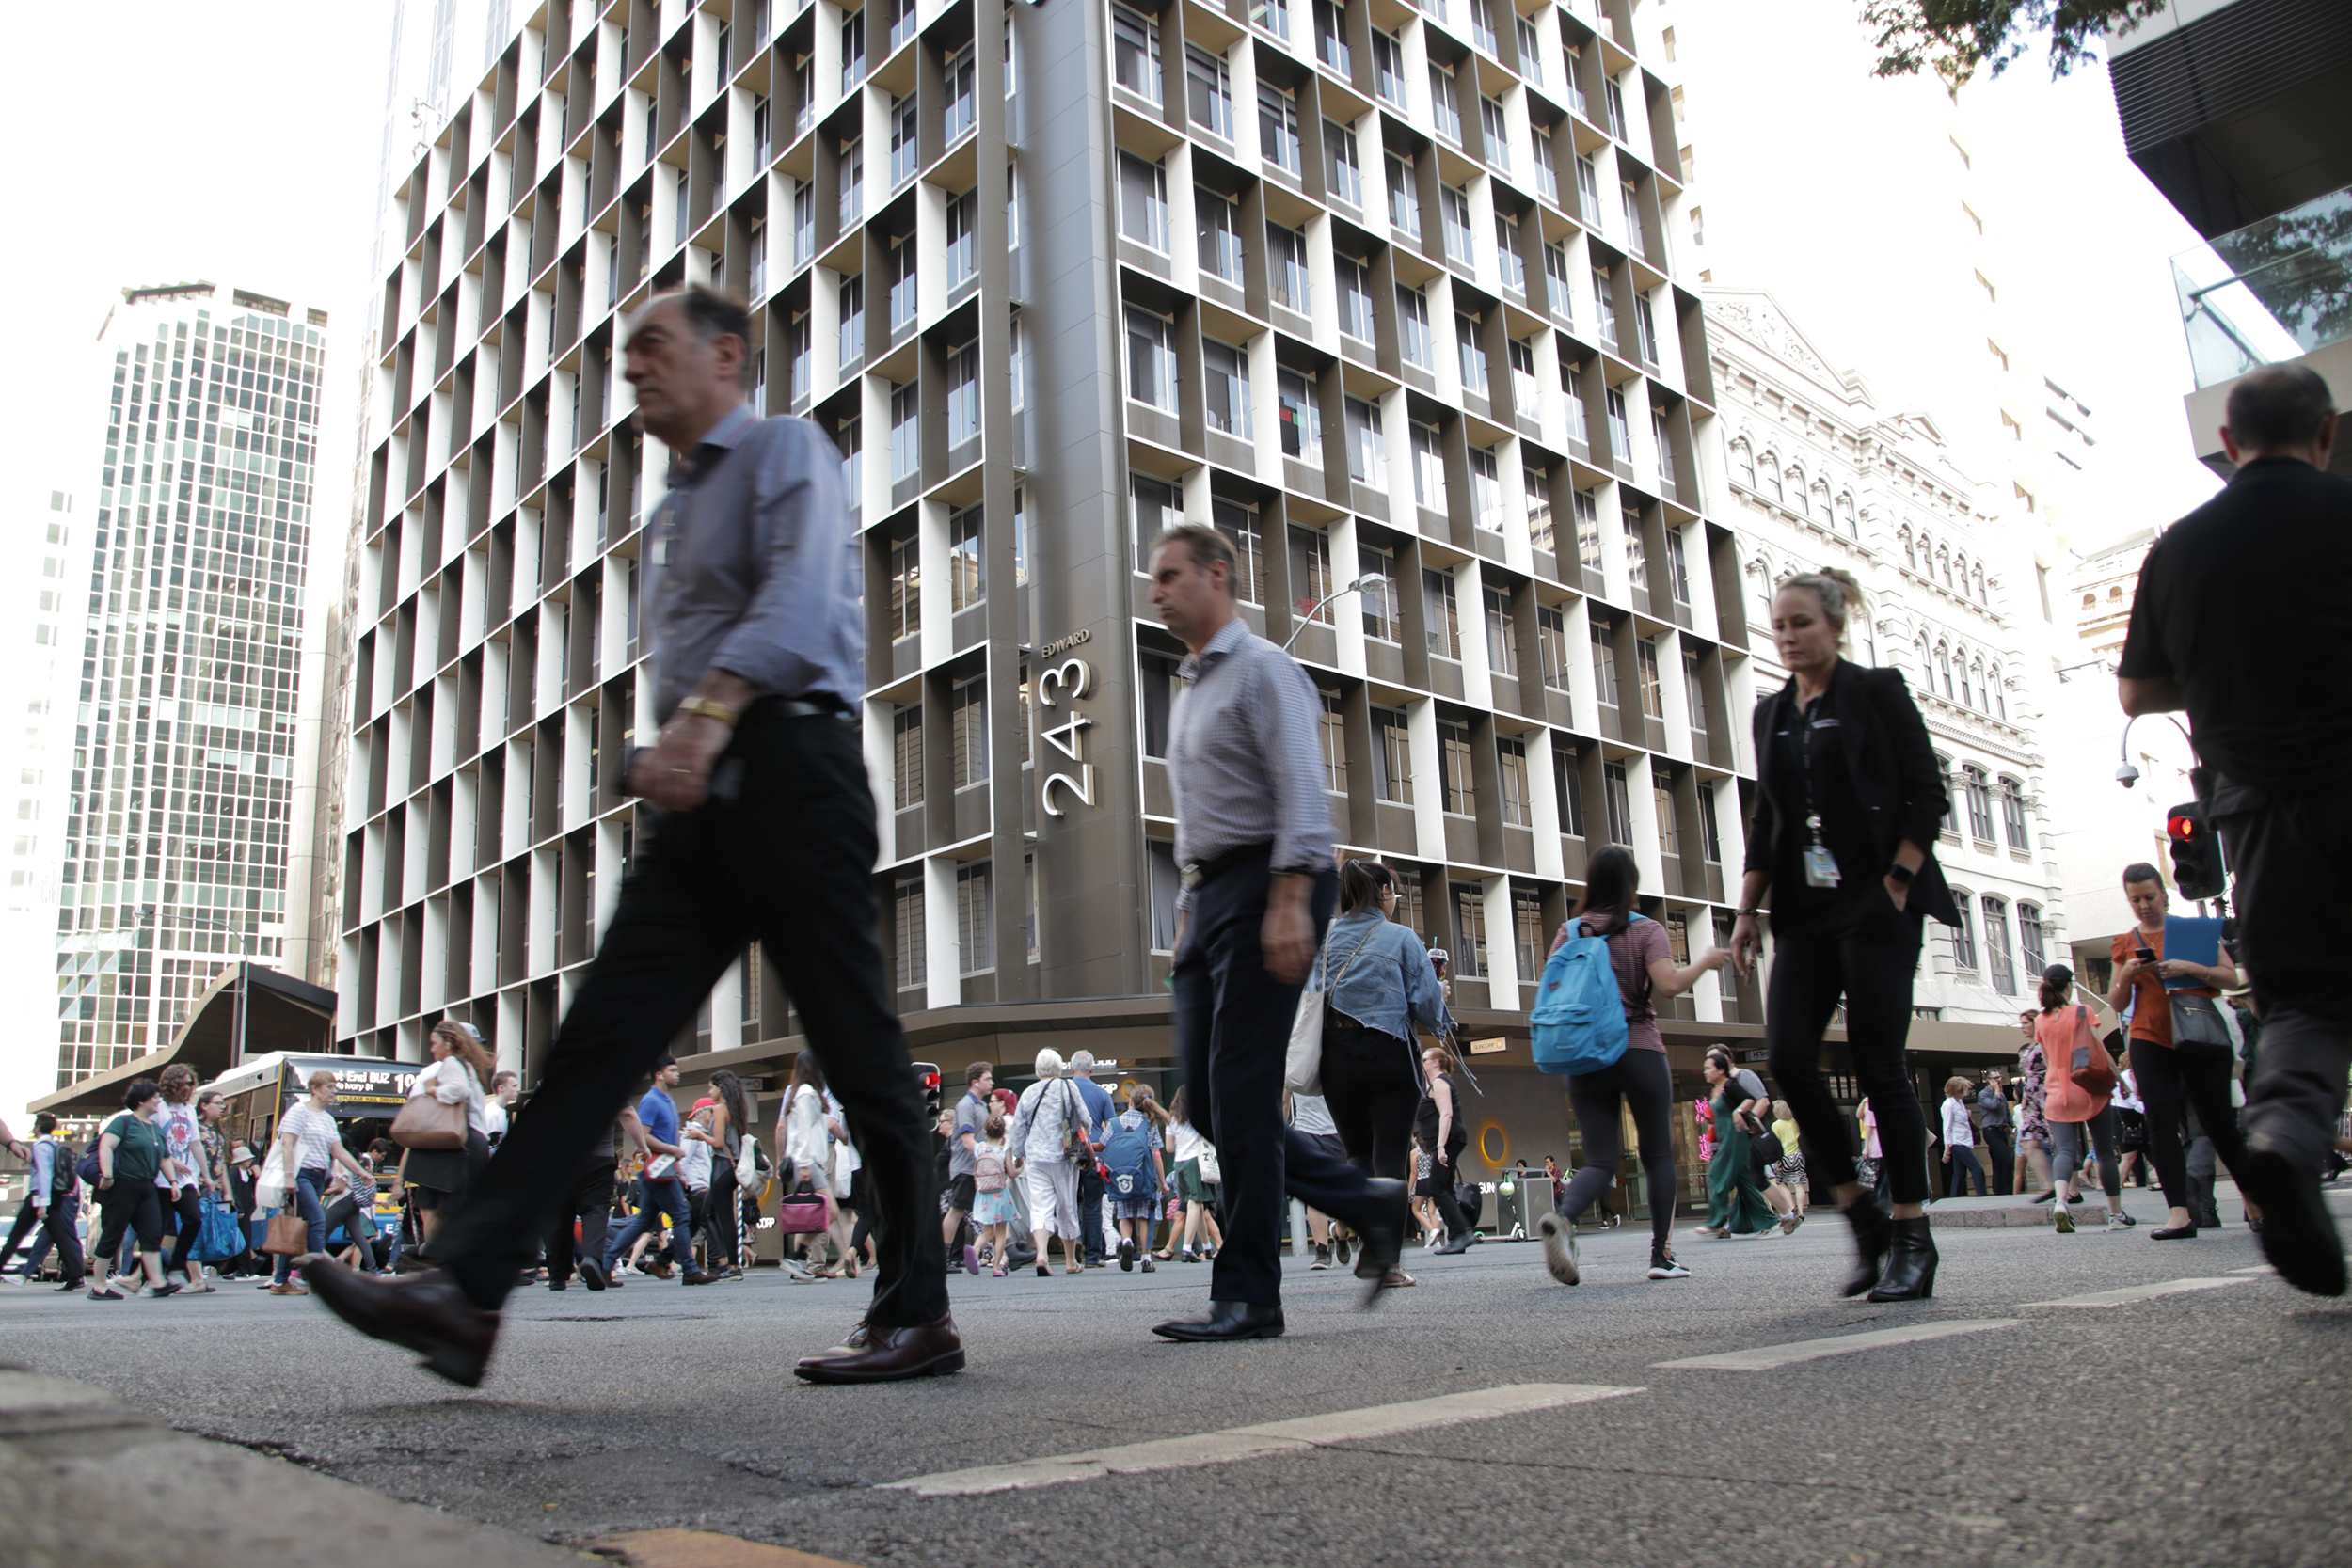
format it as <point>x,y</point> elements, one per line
<point>1846,815</point>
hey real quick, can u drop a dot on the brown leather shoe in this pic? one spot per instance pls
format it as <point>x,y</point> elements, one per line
<point>426,1313</point>
<point>874,1354</point>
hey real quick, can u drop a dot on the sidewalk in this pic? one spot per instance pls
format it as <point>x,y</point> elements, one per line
<point>88,1483</point>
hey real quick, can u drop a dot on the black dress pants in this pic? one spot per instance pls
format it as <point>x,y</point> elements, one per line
<point>1233,1032</point>
<point>723,1215</point>
<point>1371,1084</point>
<point>2291,855</point>
<point>790,860</point>
<point>591,1204</point>
<point>1868,964</point>
<point>2002,1155</point>
<point>2171,1081</point>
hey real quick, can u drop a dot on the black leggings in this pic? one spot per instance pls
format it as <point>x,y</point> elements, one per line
<point>1638,1080</point>
<point>1371,1086</point>
<point>1870,967</point>
<point>722,1215</point>
<point>2171,1082</point>
<point>360,1226</point>
<point>189,1215</point>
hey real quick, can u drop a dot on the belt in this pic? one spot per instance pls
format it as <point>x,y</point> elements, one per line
<point>1197,872</point>
<point>805,708</point>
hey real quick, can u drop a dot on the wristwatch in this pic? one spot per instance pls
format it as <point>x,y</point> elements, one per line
<point>701,707</point>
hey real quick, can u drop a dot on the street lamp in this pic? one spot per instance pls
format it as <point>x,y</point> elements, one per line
<point>1369,580</point>
<point>2128,775</point>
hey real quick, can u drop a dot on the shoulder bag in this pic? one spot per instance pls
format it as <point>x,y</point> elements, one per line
<point>425,1122</point>
<point>2092,1068</point>
<point>289,1235</point>
<point>2197,1023</point>
<point>1302,1067</point>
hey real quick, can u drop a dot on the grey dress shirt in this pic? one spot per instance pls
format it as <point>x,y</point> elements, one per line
<point>753,571</point>
<point>1242,757</point>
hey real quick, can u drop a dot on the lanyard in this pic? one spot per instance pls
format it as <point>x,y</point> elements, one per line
<point>1805,746</point>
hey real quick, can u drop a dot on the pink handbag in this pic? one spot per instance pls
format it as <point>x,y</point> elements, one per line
<point>800,1214</point>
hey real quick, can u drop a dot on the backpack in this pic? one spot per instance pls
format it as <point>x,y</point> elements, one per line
<point>988,1169</point>
<point>64,1177</point>
<point>1128,1158</point>
<point>1578,1022</point>
<point>1074,1140</point>
<point>86,1166</point>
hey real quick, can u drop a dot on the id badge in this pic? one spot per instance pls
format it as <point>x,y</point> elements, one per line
<point>1821,866</point>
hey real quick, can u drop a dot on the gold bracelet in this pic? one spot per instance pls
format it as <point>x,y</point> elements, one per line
<point>701,707</point>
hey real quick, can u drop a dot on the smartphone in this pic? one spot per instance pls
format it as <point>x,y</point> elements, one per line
<point>2144,953</point>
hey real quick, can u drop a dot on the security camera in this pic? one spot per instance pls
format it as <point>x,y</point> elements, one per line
<point>2127,775</point>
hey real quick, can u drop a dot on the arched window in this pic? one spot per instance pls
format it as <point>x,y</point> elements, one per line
<point>1764,586</point>
<point>2029,936</point>
<point>1950,828</point>
<point>1943,671</point>
<point>2000,697</point>
<point>1911,548</point>
<point>1944,565</point>
<point>1770,474</point>
<point>1743,464</point>
<point>2013,815</point>
<point>1980,700</point>
<point>1869,642</point>
<point>1963,934</point>
<point>1821,503</point>
<point>1960,567</point>
<point>1926,678</point>
<point>1846,515</point>
<point>1796,488</point>
<point>1979,791</point>
<point>1982,597</point>
<point>2000,959</point>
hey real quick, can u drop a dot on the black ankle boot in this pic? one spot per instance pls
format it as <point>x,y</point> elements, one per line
<point>1910,1264</point>
<point>1873,1232</point>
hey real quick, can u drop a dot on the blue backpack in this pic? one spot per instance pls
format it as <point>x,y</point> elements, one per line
<point>1578,1022</point>
<point>1127,1157</point>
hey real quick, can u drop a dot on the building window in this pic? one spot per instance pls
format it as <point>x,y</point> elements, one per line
<point>1604,665</point>
<point>1135,53</point>
<point>1527,930</point>
<point>1964,934</point>
<point>1567,789</point>
<point>906,923</point>
<point>1620,428</point>
<point>1694,692</point>
<point>1273,16</point>
<point>1711,832</point>
<point>1388,68</point>
<point>1381,623</point>
<point>1158,673</point>
<point>906,583</point>
<point>1393,741</point>
<point>1331,733</point>
<point>906,757</point>
<point>1346,175</point>
<point>1226,374</point>
<point>1286,268</point>
<point>1209,91</point>
<point>964,394</point>
<point>1239,524</point>
<point>967,714</point>
<point>1980,803</point>
<point>1551,644</point>
<point>1502,633</point>
<point>1535,486</point>
<point>1678,566</point>
<point>1511,759</point>
<point>1453,210</point>
<point>2013,818</point>
<point>1428,467</point>
<point>1444,106</point>
<point>1278,126</point>
<point>852,50</point>
<point>1331,35</point>
<point>1220,236</point>
<point>1645,663</point>
<point>976,920</point>
<point>1150,358</point>
<point>1445,627</point>
<point>1367,448</point>
<point>2030,938</point>
<point>1403,196</point>
<point>1166,880</point>
<point>968,581</point>
<point>1143,202</point>
<point>1486,491</point>
<point>1661,800</point>
<point>1453,758</point>
<point>1355,297</point>
<point>1471,352</point>
<point>1298,418</point>
<point>1470,924</point>
<point>1587,530</point>
<point>956,72</point>
<point>1636,551</point>
<point>1497,133</point>
<point>1617,797</point>
<point>852,313</point>
<point>1311,575</point>
<point>1154,506</point>
<point>1997,946</point>
<point>1413,326</point>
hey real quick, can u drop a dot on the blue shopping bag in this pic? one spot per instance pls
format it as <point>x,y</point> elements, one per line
<point>220,1236</point>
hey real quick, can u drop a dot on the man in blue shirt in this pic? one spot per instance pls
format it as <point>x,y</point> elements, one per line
<point>659,1190</point>
<point>1099,1109</point>
<point>757,823</point>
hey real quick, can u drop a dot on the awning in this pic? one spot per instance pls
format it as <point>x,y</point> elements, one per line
<point>249,1010</point>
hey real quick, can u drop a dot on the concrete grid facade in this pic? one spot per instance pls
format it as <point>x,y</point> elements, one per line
<point>179,827</point>
<point>1373,289</point>
<point>1819,478</point>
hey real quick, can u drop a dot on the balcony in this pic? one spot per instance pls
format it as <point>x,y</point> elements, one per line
<point>2270,292</point>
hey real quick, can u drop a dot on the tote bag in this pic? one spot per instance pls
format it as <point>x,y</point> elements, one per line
<point>1302,1067</point>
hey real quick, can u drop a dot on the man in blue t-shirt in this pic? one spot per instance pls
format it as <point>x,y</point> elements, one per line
<point>659,1190</point>
<point>1099,1109</point>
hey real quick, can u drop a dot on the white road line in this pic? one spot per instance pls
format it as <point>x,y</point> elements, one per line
<point>2144,1292</point>
<point>2259,1268</point>
<point>1765,1358</point>
<point>1300,1436</point>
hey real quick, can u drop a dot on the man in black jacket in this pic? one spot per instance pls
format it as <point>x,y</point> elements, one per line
<point>2242,618</point>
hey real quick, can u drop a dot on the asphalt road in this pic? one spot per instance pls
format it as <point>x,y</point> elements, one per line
<point>2206,1426</point>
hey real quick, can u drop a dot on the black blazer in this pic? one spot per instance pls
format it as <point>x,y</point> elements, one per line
<point>1893,766</point>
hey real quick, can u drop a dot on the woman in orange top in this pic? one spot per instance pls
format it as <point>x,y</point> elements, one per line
<point>2171,1080</point>
<point>2072,1111</point>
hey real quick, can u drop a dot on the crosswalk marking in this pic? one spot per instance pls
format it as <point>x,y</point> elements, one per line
<point>1765,1358</point>
<point>1300,1436</point>
<point>2144,1292</point>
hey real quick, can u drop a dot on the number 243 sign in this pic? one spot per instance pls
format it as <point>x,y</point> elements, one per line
<point>1057,688</point>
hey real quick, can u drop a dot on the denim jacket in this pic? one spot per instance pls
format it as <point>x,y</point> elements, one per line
<point>1385,985</point>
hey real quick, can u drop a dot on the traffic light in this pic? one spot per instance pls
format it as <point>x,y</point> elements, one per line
<point>2196,851</point>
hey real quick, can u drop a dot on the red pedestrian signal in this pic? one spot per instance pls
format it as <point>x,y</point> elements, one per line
<point>2196,851</point>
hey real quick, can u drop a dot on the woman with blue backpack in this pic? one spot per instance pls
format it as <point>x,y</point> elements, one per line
<point>1640,968</point>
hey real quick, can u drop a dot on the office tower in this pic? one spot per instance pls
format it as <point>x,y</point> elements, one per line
<point>181,811</point>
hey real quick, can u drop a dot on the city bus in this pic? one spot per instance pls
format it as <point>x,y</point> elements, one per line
<point>369,1093</point>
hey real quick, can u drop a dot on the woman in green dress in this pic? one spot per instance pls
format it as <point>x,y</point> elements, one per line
<point>1735,1203</point>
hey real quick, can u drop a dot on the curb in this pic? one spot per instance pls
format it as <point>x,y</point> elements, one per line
<point>89,1482</point>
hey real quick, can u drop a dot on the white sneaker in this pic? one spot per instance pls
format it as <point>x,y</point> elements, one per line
<point>2064,1218</point>
<point>2118,1222</point>
<point>1559,1238</point>
<point>1667,1268</point>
